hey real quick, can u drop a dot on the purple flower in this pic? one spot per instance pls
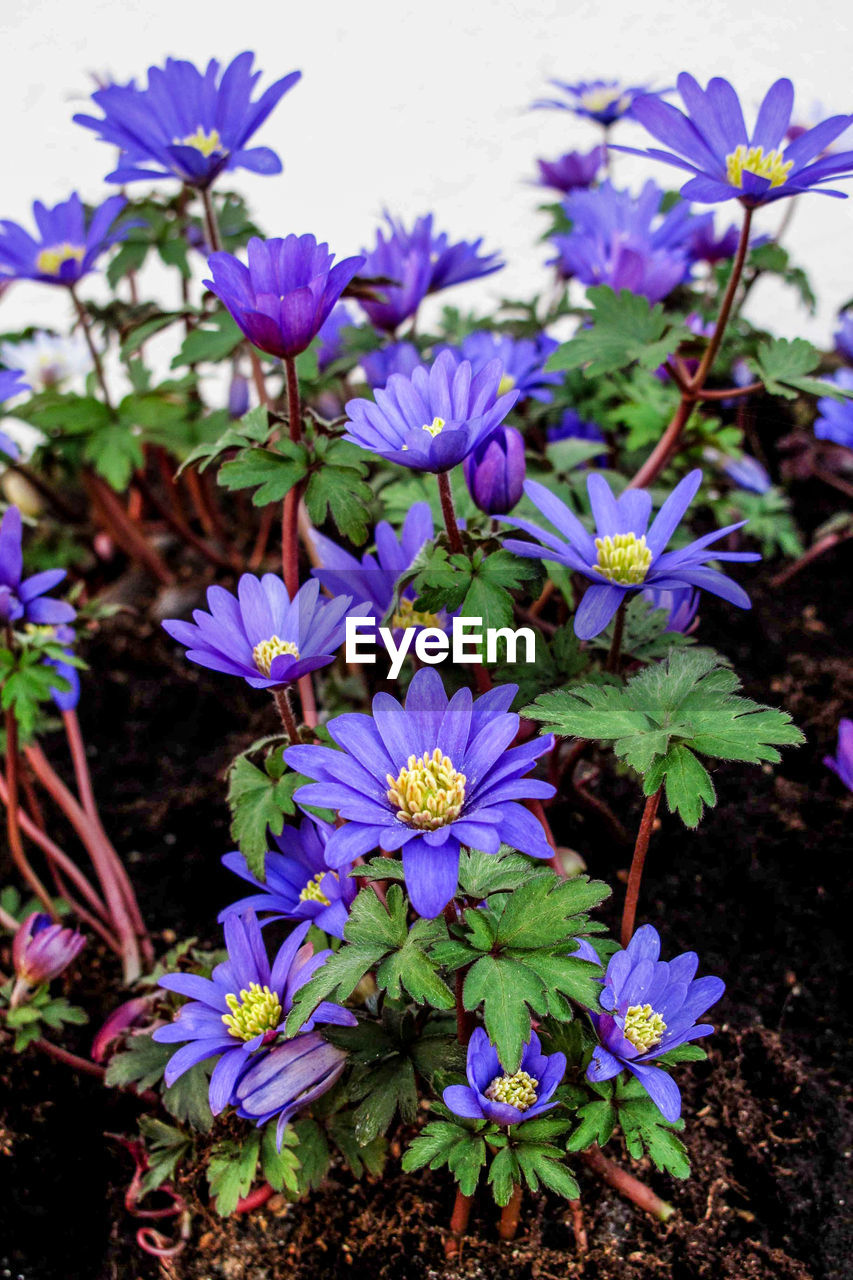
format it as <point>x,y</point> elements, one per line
<point>65,699</point>
<point>299,884</point>
<point>41,949</point>
<point>495,471</point>
<point>372,579</point>
<point>572,427</point>
<point>604,101</point>
<point>652,1007</point>
<point>11,384</point>
<point>844,334</point>
<point>618,239</point>
<point>238,395</point>
<point>331,335</point>
<point>263,635</point>
<point>288,1078</point>
<point>523,361</point>
<point>835,417</point>
<point>573,170</point>
<point>22,599</point>
<point>842,762</point>
<point>242,1008</point>
<point>682,605</point>
<point>429,779</point>
<point>623,556</point>
<point>747,473</point>
<point>711,142</point>
<point>704,245</point>
<point>281,300</point>
<point>397,357</point>
<point>493,1094</point>
<point>65,249</point>
<point>186,123</point>
<point>433,419</point>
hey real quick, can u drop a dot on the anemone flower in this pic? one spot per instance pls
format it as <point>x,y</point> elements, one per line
<point>23,599</point>
<point>493,1094</point>
<point>68,243</point>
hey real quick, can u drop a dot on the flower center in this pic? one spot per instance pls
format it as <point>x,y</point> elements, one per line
<point>50,260</point>
<point>428,793</point>
<point>518,1090</point>
<point>506,384</point>
<point>762,164</point>
<point>264,653</point>
<point>434,427</point>
<point>601,99</point>
<point>253,1012</point>
<point>624,558</point>
<point>408,616</point>
<point>643,1027</point>
<point>204,142</point>
<point>312,891</point>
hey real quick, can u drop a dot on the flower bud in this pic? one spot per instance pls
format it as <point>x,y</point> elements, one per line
<point>42,949</point>
<point>494,472</point>
<point>238,396</point>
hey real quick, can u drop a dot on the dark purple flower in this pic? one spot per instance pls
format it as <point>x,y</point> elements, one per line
<point>493,1094</point>
<point>573,170</point>
<point>41,950</point>
<point>844,335</point>
<point>842,762</point>
<point>288,1078</point>
<point>263,635</point>
<point>705,245</point>
<point>330,346</point>
<point>282,298</point>
<point>241,1009</point>
<point>523,361</point>
<point>397,357</point>
<point>712,143</point>
<point>298,884</point>
<point>66,249</point>
<point>681,604</point>
<point>623,556</point>
<point>428,778</point>
<point>433,419</point>
<point>835,417</point>
<point>187,123</point>
<point>495,472</point>
<point>604,101</point>
<point>22,599</point>
<point>652,1007</point>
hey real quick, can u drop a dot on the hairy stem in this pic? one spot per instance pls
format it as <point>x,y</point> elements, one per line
<point>635,877</point>
<point>285,710</point>
<point>448,512</point>
<point>614,657</point>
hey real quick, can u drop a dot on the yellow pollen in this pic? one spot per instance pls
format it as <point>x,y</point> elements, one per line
<point>601,99</point>
<point>50,260</point>
<point>624,558</point>
<point>434,427</point>
<point>518,1090</point>
<point>408,616</point>
<point>39,632</point>
<point>428,793</point>
<point>643,1027</point>
<point>252,1012</point>
<point>312,891</point>
<point>762,164</point>
<point>204,142</point>
<point>506,384</point>
<point>264,653</point>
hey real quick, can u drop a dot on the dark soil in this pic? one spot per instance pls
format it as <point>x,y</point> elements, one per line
<point>758,891</point>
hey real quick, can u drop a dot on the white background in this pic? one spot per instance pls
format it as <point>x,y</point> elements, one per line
<point>417,107</point>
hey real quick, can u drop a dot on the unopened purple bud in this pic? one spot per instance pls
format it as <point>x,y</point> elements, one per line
<point>41,949</point>
<point>238,396</point>
<point>494,472</point>
<point>130,1013</point>
<point>747,473</point>
<point>842,762</point>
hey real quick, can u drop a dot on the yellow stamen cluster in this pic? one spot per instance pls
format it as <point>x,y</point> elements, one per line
<point>428,793</point>
<point>408,616</point>
<point>253,1012</point>
<point>434,427</point>
<point>601,99</point>
<point>312,891</point>
<point>643,1027</point>
<point>50,260</point>
<point>518,1090</point>
<point>264,653</point>
<point>204,142</point>
<point>761,163</point>
<point>506,384</point>
<point>624,558</point>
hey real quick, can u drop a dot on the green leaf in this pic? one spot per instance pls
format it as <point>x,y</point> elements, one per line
<point>481,874</point>
<point>646,1131</point>
<point>231,1171</point>
<point>442,1143</point>
<point>116,452</point>
<point>140,1064</point>
<point>188,1098</point>
<point>359,1157</point>
<point>253,428</point>
<point>621,329</point>
<point>213,340</point>
<point>258,801</point>
<point>272,473</point>
<point>280,1168</point>
<point>337,488</point>
<point>504,1175</point>
<point>508,990</point>
<point>140,333</point>
<point>165,1146</point>
<point>597,1122</point>
<point>313,1154</point>
<point>541,1163</point>
<point>539,913</point>
<point>783,365</point>
<point>385,1090</point>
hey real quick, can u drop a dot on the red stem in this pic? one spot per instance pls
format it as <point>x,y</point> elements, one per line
<point>635,877</point>
<point>510,1214</point>
<point>255,1199</point>
<point>122,528</point>
<point>578,1226</point>
<point>16,844</point>
<point>282,701</point>
<point>627,1185</point>
<point>90,1068</point>
<point>458,1223</point>
<point>448,512</point>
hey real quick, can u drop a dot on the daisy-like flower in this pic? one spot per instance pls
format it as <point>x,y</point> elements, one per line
<point>574,169</point>
<point>834,420</point>
<point>625,554</point>
<point>523,361</point>
<point>263,635</point>
<point>727,162</point>
<point>66,247</point>
<point>299,883</point>
<point>372,579</point>
<point>48,359</point>
<point>241,1009</point>
<point>652,1006</point>
<point>604,101</point>
<point>841,763</point>
<point>434,418</point>
<point>12,383</point>
<point>284,296</point>
<point>23,599</point>
<point>186,123</point>
<point>427,779</point>
<point>493,1094</point>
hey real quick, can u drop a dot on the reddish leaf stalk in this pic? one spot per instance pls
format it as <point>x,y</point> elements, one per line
<point>510,1214</point>
<point>448,512</point>
<point>635,876</point>
<point>458,1223</point>
<point>13,828</point>
<point>285,710</point>
<point>123,530</point>
<point>627,1185</point>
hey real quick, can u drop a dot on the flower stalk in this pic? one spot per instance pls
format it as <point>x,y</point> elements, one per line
<point>635,876</point>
